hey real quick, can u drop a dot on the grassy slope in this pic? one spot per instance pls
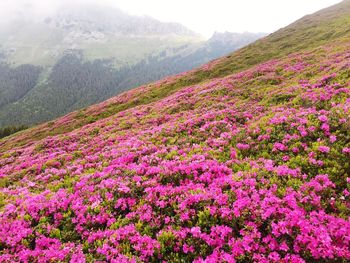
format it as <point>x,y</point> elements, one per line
<point>240,153</point>
<point>326,26</point>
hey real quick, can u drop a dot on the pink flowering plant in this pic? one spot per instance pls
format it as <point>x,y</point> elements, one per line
<point>216,172</point>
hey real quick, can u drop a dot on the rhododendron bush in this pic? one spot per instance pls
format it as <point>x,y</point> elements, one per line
<point>253,167</point>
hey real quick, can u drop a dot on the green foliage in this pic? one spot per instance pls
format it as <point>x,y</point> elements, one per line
<point>6,131</point>
<point>280,98</point>
<point>16,82</point>
<point>206,220</point>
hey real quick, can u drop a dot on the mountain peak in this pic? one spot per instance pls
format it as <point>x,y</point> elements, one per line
<point>112,20</point>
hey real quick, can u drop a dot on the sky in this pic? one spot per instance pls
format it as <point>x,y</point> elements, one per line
<point>203,16</point>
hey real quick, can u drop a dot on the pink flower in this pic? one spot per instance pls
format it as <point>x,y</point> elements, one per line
<point>233,154</point>
<point>274,257</point>
<point>295,150</point>
<point>324,149</point>
<point>284,246</point>
<point>285,158</point>
<point>332,138</point>
<point>280,147</point>
<point>187,249</point>
<point>243,146</point>
<point>346,150</point>
<point>325,127</point>
<point>323,118</point>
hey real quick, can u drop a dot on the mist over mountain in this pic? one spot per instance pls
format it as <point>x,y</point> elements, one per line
<point>81,55</point>
<point>99,31</point>
<point>93,18</point>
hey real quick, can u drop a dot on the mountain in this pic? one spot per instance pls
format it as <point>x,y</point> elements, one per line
<point>92,53</point>
<point>101,32</point>
<point>245,159</point>
<point>234,39</point>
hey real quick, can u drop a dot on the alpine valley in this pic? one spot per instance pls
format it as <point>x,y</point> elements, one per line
<point>86,54</point>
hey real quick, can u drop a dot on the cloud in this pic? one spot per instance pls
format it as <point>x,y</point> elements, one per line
<point>203,16</point>
<point>37,9</point>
